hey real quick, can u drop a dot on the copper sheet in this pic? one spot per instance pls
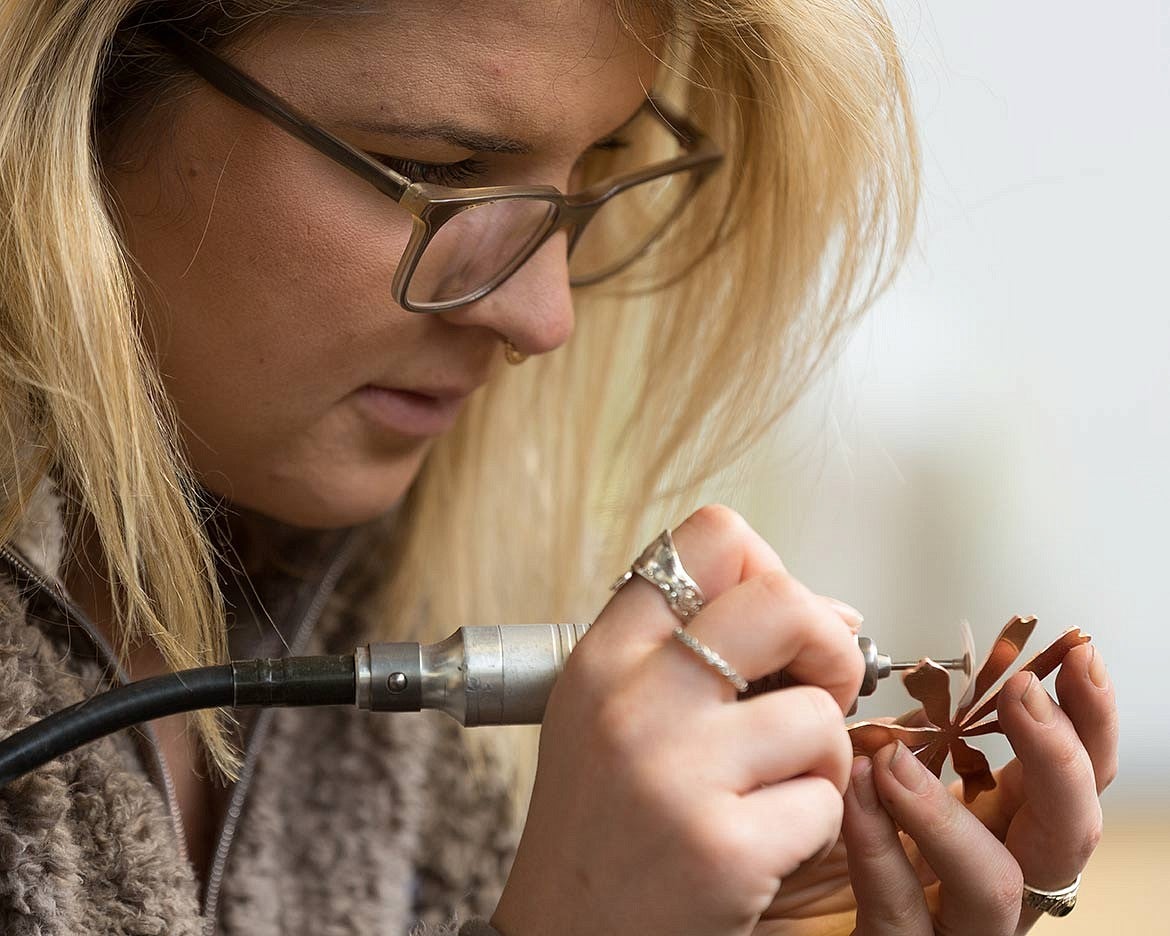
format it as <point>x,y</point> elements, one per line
<point>944,734</point>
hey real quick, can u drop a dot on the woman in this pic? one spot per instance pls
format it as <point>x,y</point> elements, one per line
<point>246,413</point>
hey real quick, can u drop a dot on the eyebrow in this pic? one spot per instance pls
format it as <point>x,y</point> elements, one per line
<point>461,136</point>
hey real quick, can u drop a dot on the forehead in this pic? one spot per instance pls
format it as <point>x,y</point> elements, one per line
<point>545,70</point>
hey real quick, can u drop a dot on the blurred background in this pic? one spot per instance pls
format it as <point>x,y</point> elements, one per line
<point>995,439</point>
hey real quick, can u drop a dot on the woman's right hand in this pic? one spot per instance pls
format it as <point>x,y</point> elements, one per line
<point>661,804</point>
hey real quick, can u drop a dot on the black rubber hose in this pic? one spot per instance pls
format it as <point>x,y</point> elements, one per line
<point>206,687</point>
<point>325,680</point>
<point>313,680</point>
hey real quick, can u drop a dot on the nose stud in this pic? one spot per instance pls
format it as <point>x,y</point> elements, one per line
<point>512,354</point>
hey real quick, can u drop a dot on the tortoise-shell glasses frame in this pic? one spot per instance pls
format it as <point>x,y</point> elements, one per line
<point>433,205</point>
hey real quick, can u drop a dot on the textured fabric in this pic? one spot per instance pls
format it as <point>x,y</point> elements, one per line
<point>478,928</point>
<point>354,823</point>
<point>86,844</point>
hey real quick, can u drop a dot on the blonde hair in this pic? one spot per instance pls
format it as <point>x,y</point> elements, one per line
<point>577,455</point>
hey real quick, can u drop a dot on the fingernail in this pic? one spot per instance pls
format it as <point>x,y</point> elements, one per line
<point>1097,669</point>
<point>908,770</point>
<point>1037,701</point>
<point>849,614</point>
<point>863,789</point>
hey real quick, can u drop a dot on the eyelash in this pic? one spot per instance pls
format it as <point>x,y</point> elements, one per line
<point>453,174</point>
<point>467,170</point>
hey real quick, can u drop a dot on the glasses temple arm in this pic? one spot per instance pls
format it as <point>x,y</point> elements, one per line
<point>251,94</point>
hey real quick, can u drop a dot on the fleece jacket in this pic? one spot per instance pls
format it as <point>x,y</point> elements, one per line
<point>344,822</point>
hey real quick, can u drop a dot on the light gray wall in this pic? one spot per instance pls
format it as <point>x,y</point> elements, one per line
<point>995,439</point>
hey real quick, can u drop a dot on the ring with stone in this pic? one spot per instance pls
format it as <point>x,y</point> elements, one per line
<point>660,565</point>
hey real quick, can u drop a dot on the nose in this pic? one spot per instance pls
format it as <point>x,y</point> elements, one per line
<point>533,307</point>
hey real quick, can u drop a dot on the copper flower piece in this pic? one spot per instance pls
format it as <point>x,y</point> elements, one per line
<point>929,683</point>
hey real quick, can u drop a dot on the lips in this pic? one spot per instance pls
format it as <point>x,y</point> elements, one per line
<point>409,412</point>
<point>428,396</point>
<point>433,393</point>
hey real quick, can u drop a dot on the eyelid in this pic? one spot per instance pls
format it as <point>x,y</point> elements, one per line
<point>456,174</point>
<point>608,144</point>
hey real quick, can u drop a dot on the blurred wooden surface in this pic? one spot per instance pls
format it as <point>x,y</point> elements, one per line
<point>1125,890</point>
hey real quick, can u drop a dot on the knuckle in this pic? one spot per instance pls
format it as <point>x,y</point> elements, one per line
<point>587,665</point>
<point>854,664</point>
<point>896,915</point>
<point>817,624</point>
<point>1107,773</point>
<point>832,805</point>
<point>817,713</point>
<point>822,709</point>
<point>1092,836</point>
<point>719,521</point>
<point>1068,756</point>
<point>805,618</point>
<point>843,757</point>
<point>874,850</point>
<point>782,589</point>
<point>819,811</point>
<point>807,709</point>
<point>831,809</point>
<point>596,670</point>
<point>618,729</point>
<point>716,843</point>
<point>1004,893</point>
<point>943,813</point>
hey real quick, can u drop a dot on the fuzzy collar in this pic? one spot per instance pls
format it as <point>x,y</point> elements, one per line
<point>40,537</point>
<point>262,618</point>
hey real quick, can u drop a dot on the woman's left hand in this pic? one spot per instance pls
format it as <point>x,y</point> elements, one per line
<point>963,874</point>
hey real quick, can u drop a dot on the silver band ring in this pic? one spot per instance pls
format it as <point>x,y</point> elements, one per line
<point>1056,903</point>
<point>661,566</point>
<point>710,656</point>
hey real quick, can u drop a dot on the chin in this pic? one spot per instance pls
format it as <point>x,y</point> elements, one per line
<point>318,501</point>
<point>328,515</point>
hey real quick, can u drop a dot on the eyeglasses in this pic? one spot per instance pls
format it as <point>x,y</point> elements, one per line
<point>465,242</point>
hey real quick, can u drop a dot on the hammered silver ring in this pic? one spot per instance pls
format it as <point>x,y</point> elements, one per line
<point>661,566</point>
<point>1055,903</point>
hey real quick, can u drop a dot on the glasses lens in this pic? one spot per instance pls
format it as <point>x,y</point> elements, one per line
<point>475,247</point>
<point>625,225</point>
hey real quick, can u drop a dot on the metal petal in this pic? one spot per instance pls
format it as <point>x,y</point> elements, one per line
<point>870,737</point>
<point>935,756</point>
<point>972,766</point>
<point>1042,664</point>
<point>930,684</point>
<point>991,726</point>
<point>1004,651</point>
<point>1052,656</point>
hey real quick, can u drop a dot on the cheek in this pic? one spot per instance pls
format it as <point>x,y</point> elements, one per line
<point>271,302</point>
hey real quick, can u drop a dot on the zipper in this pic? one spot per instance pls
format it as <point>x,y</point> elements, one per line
<point>260,728</point>
<point>154,761</point>
<point>230,825</point>
<point>14,559</point>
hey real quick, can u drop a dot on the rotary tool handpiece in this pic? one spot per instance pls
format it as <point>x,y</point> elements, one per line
<point>492,675</point>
